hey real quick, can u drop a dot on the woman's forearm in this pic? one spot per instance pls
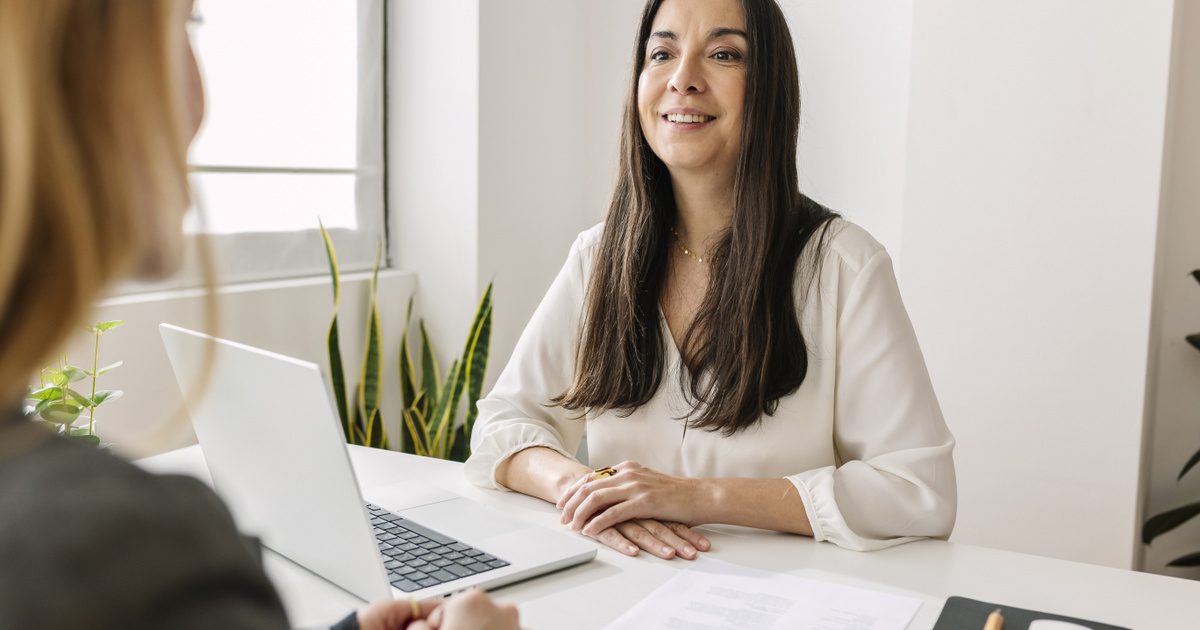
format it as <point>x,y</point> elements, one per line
<point>539,472</point>
<point>763,503</point>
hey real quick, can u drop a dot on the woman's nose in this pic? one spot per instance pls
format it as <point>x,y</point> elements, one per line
<point>687,78</point>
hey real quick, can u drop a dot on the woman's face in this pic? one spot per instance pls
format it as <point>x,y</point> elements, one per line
<point>693,83</point>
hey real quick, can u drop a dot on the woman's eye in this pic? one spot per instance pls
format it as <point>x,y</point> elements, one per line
<point>726,55</point>
<point>660,55</point>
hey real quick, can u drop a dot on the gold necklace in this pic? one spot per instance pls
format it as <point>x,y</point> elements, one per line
<point>684,248</point>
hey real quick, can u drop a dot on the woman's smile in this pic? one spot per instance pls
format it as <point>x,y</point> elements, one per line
<point>686,119</point>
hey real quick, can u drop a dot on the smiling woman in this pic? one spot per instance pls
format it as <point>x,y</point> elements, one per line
<point>718,298</point>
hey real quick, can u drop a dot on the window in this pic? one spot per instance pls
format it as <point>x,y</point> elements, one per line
<point>293,131</point>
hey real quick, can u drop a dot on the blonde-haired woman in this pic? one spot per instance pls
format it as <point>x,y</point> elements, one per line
<point>99,100</point>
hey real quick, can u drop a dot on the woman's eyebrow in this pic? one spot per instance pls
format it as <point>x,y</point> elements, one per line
<point>664,35</point>
<point>725,30</point>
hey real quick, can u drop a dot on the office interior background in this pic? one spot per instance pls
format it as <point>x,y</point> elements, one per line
<point>1030,165</point>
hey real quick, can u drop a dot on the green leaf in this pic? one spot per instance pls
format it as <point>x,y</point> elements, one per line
<point>92,440</point>
<point>446,411</point>
<point>103,327</point>
<point>408,389</point>
<point>430,378</point>
<point>1169,520</point>
<point>50,392</point>
<point>461,449</point>
<point>415,443</point>
<point>105,395</point>
<point>106,369</point>
<point>376,435</point>
<point>1190,560</point>
<point>331,256</point>
<point>76,398</point>
<point>333,346</point>
<point>61,413</point>
<point>74,374</point>
<point>368,384</point>
<point>55,376</point>
<point>337,376</point>
<point>1188,466</point>
<point>475,358</point>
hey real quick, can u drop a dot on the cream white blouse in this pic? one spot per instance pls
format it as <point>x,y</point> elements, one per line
<point>863,440</point>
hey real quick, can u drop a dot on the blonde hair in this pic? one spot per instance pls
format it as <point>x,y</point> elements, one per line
<point>93,161</point>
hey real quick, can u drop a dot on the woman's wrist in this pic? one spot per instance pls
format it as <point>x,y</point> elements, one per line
<point>707,499</point>
<point>540,472</point>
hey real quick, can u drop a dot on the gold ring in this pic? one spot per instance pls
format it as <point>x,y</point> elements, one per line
<point>601,473</point>
<point>416,607</point>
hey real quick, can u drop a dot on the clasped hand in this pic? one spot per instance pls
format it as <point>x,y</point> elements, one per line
<point>637,508</point>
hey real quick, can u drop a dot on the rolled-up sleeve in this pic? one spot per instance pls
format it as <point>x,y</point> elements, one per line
<point>895,479</point>
<point>516,414</point>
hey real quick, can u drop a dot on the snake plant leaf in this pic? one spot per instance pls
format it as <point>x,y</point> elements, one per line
<point>414,443</point>
<point>430,378</point>
<point>61,413</point>
<point>410,445</point>
<point>1190,560</point>
<point>106,369</point>
<point>103,327</point>
<point>1188,466</point>
<point>408,387</point>
<point>475,357</point>
<point>333,345</point>
<point>460,448</point>
<point>368,384</point>
<point>1169,520</point>
<point>106,395</point>
<point>376,437</point>
<point>446,410</point>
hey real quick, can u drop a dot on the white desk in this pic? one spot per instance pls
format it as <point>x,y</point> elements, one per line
<point>593,594</point>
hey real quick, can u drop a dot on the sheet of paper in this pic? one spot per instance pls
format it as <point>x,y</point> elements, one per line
<point>712,594</point>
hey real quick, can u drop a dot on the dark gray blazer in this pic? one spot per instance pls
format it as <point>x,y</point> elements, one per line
<point>88,540</point>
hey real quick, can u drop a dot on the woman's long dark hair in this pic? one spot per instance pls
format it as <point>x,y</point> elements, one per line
<point>744,350</point>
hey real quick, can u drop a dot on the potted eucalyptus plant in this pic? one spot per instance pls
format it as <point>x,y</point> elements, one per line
<point>58,402</point>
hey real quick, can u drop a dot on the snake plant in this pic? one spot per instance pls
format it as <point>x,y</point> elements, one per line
<point>431,405</point>
<point>361,421</point>
<point>1169,520</point>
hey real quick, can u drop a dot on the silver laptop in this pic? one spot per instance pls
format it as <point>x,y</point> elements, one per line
<point>277,454</point>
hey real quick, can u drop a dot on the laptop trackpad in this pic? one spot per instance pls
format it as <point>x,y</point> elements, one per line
<point>403,495</point>
<point>464,520</point>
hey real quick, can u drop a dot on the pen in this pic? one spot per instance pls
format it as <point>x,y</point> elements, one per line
<point>995,621</point>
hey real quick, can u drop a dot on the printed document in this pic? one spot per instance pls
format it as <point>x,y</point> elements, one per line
<point>712,594</point>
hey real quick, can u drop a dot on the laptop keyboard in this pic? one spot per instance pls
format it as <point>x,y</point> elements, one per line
<point>417,557</point>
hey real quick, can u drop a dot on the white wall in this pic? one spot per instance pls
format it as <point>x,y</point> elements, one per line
<point>497,159</point>
<point>1035,146</point>
<point>854,75</point>
<point>1175,409</point>
<point>534,95</point>
<point>433,106</point>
